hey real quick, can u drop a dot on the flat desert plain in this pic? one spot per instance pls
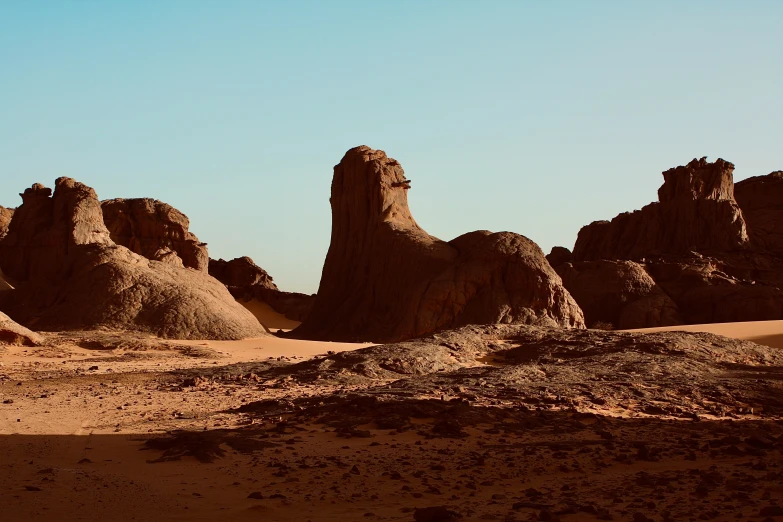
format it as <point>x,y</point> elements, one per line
<point>481,423</point>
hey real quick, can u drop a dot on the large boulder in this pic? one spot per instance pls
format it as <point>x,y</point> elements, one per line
<point>146,226</point>
<point>706,291</point>
<point>696,211</point>
<point>618,294</point>
<point>16,334</point>
<point>761,201</point>
<point>71,275</point>
<point>386,279</point>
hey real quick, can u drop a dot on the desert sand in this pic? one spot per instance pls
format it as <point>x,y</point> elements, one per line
<point>491,423</point>
<point>267,316</point>
<point>769,333</point>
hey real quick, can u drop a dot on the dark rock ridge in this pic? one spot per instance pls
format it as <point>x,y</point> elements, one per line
<point>240,272</point>
<point>246,281</point>
<point>708,251</point>
<point>620,294</point>
<point>696,211</point>
<point>154,230</point>
<point>386,279</point>
<point>761,201</point>
<point>69,274</point>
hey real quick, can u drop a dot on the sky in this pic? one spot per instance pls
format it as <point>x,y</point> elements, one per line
<point>536,117</point>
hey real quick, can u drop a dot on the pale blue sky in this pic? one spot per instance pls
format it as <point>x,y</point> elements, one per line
<point>530,116</point>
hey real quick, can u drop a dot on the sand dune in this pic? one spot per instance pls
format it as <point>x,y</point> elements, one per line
<point>769,333</point>
<point>267,316</point>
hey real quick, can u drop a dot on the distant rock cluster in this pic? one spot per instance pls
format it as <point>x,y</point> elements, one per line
<point>247,281</point>
<point>707,251</point>
<point>68,273</point>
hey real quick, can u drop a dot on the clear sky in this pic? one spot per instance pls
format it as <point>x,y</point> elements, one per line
<point>536,117</point>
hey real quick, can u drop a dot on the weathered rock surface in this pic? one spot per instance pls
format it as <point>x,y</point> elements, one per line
<point>247,281</point>
<point>705,291</point>
<point>696,211</point>
<point>620,294</point>
<point>5,219</point>
<point>386,279</point>
<point>717,258</point>
<point>761,201</point>
<point>71,275</point>
<point>16,334</point>
<point>146,225</point>
<point>240,272</point>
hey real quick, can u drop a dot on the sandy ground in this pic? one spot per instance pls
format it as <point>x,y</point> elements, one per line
<point>769,333</point>
<point>106,426</point>
<point>267,316</point>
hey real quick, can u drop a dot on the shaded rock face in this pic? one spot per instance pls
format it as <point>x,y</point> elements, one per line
<point>240,272</point>
<point>16,334</point>
<point>146,225</point>
<point>696,211</point>
<point>705,291</point>
<point>716,257</point>
<point>386,279</point>
<point>71,275</point>
<point>618,294</point>
<point>761,201</point>
<point>559,255</point>
<point>247,281</point>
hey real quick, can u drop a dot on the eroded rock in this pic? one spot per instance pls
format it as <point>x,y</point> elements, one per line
<point>386,279</point>
<point>71,275</point>
<point>16,334</point>
<point>146,225</point>
<point>618,294</point>
<point>761,201</point>
<point>696,211</point>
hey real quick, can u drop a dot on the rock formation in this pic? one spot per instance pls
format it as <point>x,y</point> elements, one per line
<point>247,281</point>
<point>5,219</point>
<point>16,334</point>
<point>761,201</point>
<point>696,211</point>
<point>386,279</point>
<point>146,226</point>
<point>241,272</point>
<point>71,275</point>
<point>710,247</point>
<point>618,293</point>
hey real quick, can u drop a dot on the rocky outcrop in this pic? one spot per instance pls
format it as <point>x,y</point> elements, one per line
<point>146,226</point>
<point>761,201</point>
<point>712,248</point>
<point>706,292</point>
<point>247,281</point>
<point>696,211</point>
<point>71,275</point>
<point>559,255</point>
<point>5,219</point>
<point>618,294</point>
<point>386,279</point>
<point>241,272</point>
<point>16,334</point>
